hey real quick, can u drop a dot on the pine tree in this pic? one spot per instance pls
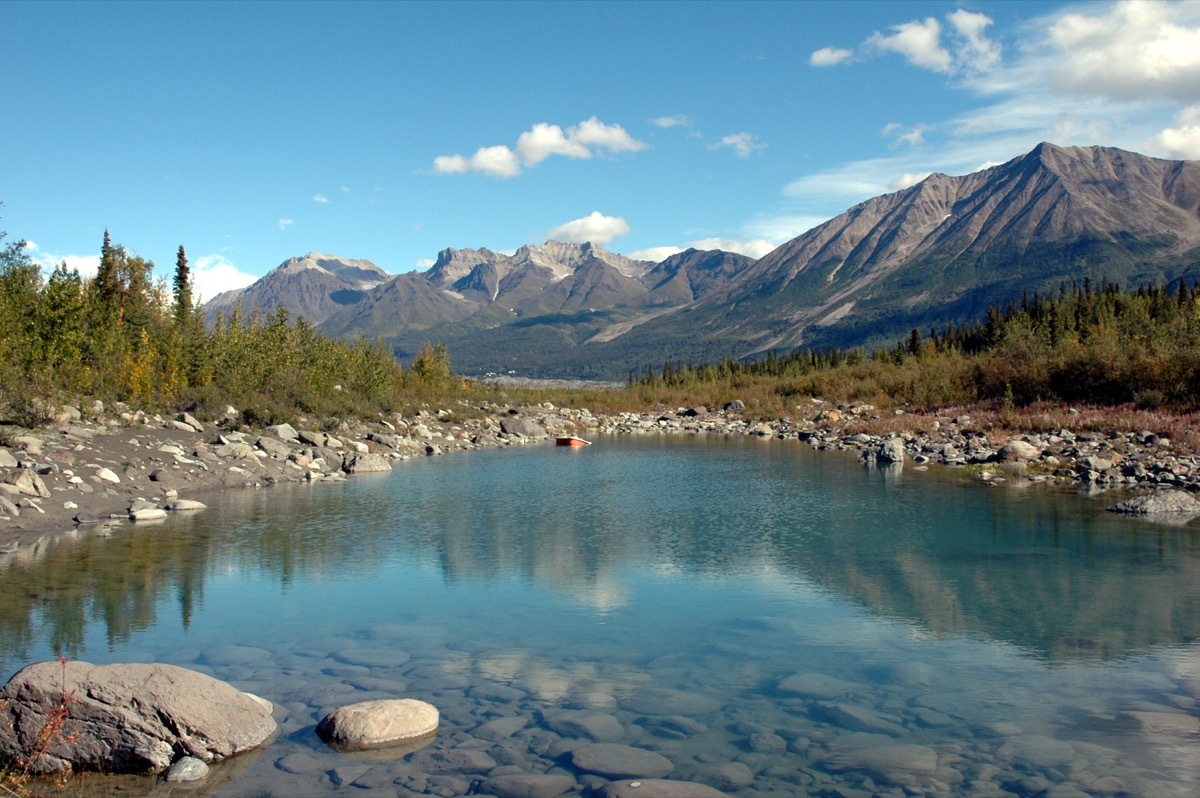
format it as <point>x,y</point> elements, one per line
<point>182,289</point>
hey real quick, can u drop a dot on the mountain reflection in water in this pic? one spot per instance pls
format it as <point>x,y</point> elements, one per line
<point>1044,571</point>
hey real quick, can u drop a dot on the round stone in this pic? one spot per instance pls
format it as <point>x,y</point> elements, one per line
<point>376,724</point>
<point>620,761</point>
<point>187,769</point>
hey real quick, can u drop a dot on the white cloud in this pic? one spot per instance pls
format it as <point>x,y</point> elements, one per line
<point>907,179</point>
<point>497,161</point>
<point>285,223</point>
<point>589,138</point>
<point>86,265</point>
<point>744,144</point>
<point>967,52</point>
<point>321,198</point>
<point>596,228</point>
<point>782,227</point>
<point>654,254</point>
<point>212,274</point>
<point>677,120</point>
<point>977,53</point>
<point>425,263</point>
<point>1182,140</point>
<point>914,136</point>
<point>753,248</point>
<point>542,140</point>
<point>1132,50</point>
<point>829,56</point>
<point>918,41</point>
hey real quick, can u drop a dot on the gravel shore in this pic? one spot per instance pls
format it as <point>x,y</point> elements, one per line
<point>89,472</point>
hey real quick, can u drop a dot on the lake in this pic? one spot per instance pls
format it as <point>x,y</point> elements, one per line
<point>770,619</point>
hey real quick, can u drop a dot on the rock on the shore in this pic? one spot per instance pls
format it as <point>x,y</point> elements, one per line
<point>376,724</point>
<point>522,427</point>
<point>891,451</point>
<point>1161,501</point>
<point>366,463</point>
<point>1018,451</point>
<point>127,718</point>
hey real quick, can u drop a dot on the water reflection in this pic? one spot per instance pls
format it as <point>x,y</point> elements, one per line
<point>1049,573</point>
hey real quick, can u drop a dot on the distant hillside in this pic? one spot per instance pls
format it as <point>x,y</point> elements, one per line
<point>940,251</point>
<point>313,287</point>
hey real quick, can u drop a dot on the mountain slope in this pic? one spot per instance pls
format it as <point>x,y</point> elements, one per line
<point>944,249</point>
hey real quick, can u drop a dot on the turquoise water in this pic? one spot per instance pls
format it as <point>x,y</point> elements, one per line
<point>703,592</point>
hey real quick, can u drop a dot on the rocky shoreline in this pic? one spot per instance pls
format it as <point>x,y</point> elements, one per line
<point>92,471</point>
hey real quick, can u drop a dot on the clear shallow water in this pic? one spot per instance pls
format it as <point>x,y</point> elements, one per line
<point>704,593</point>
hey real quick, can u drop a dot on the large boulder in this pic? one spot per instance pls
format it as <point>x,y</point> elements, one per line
<point>523,427</point>
<point>891,451</point>
<point>365,463</point>
<point>1017,451</point>
<point>125,718</point>
<point>28,483</point>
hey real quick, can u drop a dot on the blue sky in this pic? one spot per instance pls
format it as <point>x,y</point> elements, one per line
<point>254,132</point>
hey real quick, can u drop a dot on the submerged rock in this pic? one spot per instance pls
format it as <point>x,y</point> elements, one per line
<point>374,724</point>
<point>126,718</point>
<point>620,761</point>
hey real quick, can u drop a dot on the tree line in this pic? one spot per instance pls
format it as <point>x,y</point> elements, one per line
<point>122,335</point>
<point>1101,345</point>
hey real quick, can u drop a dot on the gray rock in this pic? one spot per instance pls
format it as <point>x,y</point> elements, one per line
<point>187,769</point>
<point>1018,451</point>
<point>523,427</point>
<point>596,726</point>
<point>375,724</point>
<point>6,459</point>
<point>1161,501</point>
<point>311,437</point>
<point>891,451</point>
<point>499,729</point>
<point>527,785</point>
<point>657,788</point>
<point>366,463</point>
<point>855,718</point>
<point>186,505</point>
<point>662,701</point>
<point>887,763</point>
<point>235,451</point>
<point>285,432</point>
<point>620,761</point>
<point>455,760</point>
<point>191,421</point>
<point>27,482</point>
<point>128,718</point>
<point>148,514</point>
<point>273,446</point>
<point>815,685</point>
<point>736,406</point>
<point>7,507</point>
<point>727,775</point>
<point>108,475</point>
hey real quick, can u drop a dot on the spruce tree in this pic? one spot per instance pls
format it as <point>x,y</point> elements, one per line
<point>182,288</point>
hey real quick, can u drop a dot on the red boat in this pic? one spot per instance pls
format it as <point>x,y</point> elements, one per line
<point>571,440</point>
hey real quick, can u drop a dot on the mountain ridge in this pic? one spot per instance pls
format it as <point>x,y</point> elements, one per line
<point>937,252</point>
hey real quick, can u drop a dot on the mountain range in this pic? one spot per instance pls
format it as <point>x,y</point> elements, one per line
<point>938,252</point>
